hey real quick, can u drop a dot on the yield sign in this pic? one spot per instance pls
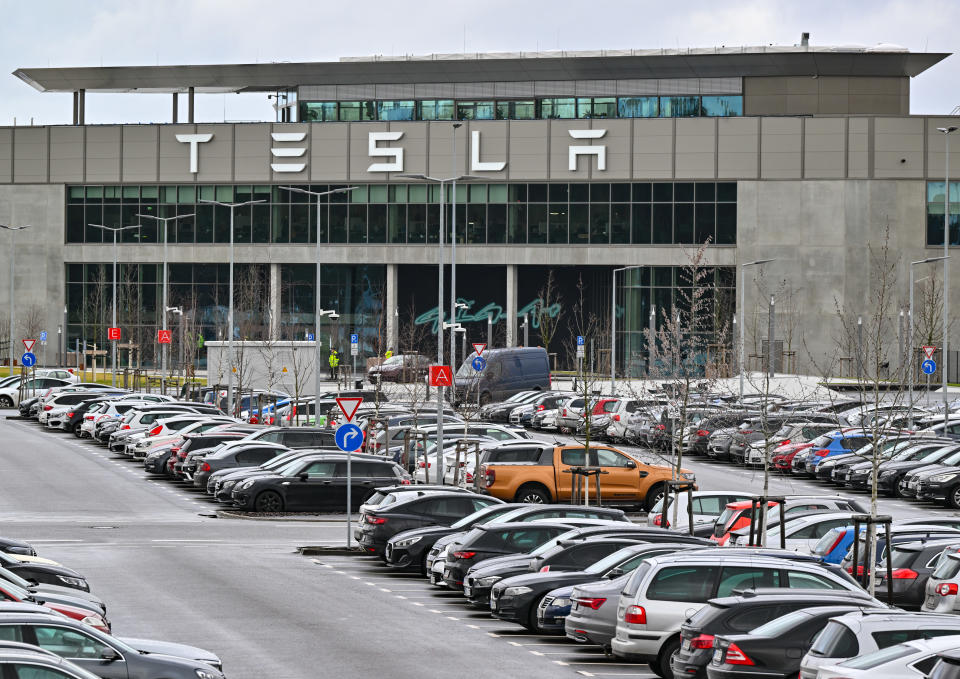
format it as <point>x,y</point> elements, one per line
<point>479,347</point>
<point>348,406</point>
<point>28,343</point>
<point>927,351</point>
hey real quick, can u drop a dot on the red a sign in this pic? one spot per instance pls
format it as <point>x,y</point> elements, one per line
<point>164,336</point>
<point>479,347</point>
<point>348,406</point>
<point>928,352</point>
<point>113,333</point>
<point>441,376</point>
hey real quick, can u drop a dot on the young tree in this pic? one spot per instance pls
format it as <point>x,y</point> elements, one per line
<point>250,302</point>
<point>549,311</point>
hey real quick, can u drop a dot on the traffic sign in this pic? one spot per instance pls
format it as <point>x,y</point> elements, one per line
<point>310,337</point>
<point>928,367</point>
<point>479,363</point>
<point>28,360</point>
<point>928,351</point>
<point>354,344</point>
<point>28,344</point>
<point>580,340</point>
<point>113,334</point>
<point>348,406</point>
<point>164,336</point>
<point>349,437</point>
<point>43,336</point>
<point>479,347</point>
<point>441,376</point>
<point>354,338</point>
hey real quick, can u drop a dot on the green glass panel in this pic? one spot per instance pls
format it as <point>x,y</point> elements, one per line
<point>225,194</point>
<point>76,194</point>
<point>131,192</point>
<point>478,193</point>
<point>360,195</point>
<point>418,193</point>
<point>187,195</point>
<point>398,193</point>
<point>378,193</point>
<point>208,192</point>
<point>498,193</point>
<point>97,192</point>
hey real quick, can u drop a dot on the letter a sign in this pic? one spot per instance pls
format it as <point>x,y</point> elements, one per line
<point>164,336</point>
<point>441,376</point>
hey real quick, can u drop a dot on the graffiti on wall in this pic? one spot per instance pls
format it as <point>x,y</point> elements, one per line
<point>475,314</point>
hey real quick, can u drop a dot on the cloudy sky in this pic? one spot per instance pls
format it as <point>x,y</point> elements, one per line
<point>138,32</point>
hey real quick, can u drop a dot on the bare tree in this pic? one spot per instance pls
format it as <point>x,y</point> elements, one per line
<point>250,302</point>
<point>549,311</point>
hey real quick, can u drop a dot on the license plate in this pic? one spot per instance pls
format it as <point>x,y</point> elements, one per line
<point>467,590</point>
<point>574,606</point>
<point>718,656</point>
<point>931,601</point>
<point>685,646</point>
<point>434,578</point>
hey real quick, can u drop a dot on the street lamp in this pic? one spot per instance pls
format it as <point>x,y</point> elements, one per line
<point>613,328</point>
<point>442,181</point>
<point>163,320</point>
<point>13,239</point>
<point>743,303</point>
<point>113,345</point>
<point>928,260</point>
<point>230,357</point>
<point>318,311</point>
<point>945,131</point>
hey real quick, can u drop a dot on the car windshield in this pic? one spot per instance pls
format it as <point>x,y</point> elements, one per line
<point>946,569</point>
<point>393,360</point>
<point>780,626</point>
<point>618,557</point>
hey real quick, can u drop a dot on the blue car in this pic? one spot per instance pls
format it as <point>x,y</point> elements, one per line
<point>842,442</point>
<point>835,544</point>
<point>554,609</point>
<point>265,414</point>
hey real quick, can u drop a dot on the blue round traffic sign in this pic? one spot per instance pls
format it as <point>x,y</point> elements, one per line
<point>28,360</point>
<point>928,367</point>
<point>479,363</point>
<point>349,437</point>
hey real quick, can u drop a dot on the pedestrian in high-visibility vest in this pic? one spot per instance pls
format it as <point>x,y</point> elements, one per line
<point>334,361</point>
<point>389,354</point>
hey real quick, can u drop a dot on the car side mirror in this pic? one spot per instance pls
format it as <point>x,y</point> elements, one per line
<point>614,573</point>
<point>631,464</point>
<point>303,476</point>
<point>109,654</point>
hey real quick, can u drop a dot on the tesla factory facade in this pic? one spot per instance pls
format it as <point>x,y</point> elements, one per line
<point>577,164</point>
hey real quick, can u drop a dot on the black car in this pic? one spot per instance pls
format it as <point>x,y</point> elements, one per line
<point>480,580</point>
<point>890,473</point>
<point>496,539</point>
<point>316,484</point>
<point>701,436</point>
<point>297,437</point>
<point>194,442</point>
<point>11,546</point>
<point>43,573</point>
<point>377,526</point>
<point>911,565</point>
<point>251,454</point>
<point>742,613</point>
<point>408,550</point>
<point>500,412</point>
<point>773,650</point>
<point>518,598</point>
<point>843,467</point>
<point>221,483</point>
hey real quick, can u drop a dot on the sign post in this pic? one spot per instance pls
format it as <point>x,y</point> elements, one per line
<point>43,345</point>
<point>354,350</point>
<point>349,439</point>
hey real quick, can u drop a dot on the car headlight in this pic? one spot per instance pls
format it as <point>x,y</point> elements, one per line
<point>73,582</point>
<point>245,485</point>
<point>560,602</point>
<point>208,674</point>
<point>407,541</point>
<point>884,474</point>
<point>689,476</point>
<point>488,581</point>
<point>96,621</point>
<point>516,591</point>
<point>943,477</point>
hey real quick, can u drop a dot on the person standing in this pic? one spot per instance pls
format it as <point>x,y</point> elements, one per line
<point>334,361</point>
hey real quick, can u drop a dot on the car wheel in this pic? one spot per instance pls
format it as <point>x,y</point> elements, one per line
<point>6,402</point>
<point>661,666</point>
<point>532,623</point>
<point>532,494</point>
<point>654,495</point>
<point>268,501</point>
<point>76,429</point>
<point>953,497</point>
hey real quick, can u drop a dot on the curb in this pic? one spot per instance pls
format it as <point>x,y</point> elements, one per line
<point>320,550</point>
<point>304,518</point>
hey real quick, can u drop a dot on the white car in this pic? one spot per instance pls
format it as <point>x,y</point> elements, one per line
<point>803,533</point>
<point>179,427</point>
<point>10,395</point>
<point>909,660</point>
<point>708,505</point>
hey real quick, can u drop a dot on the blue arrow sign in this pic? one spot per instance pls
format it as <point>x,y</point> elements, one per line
<point>580,340</point>
<point>28,360</point>
<point>354,338</point>
<point>349,437</point>
<point>479,363</point>
<point>928,367</point>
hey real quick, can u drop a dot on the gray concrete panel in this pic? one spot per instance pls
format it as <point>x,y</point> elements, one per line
<point>898,148</point>
<point>619,143</point>
<point>30,155</point>
<point>360,159</point>
<point>494,147</point>
<point>216,155</point>
<point>529,150</point>
<point>780,148</point>
<point>175,156</point>
<point>652,148</point>
<point>858,145</point>
<point>103,153</point>
<point>329,151</point>
<point>737,146</point>
<point>824,148</point>
<point>66,154</point>
<point>440,160</point>
<point>696,148</point>
<point>140,153</point>
<point>6,155</point>
<point>414,143</point>
<point>560,143</point>
<point>936,148</point>
<point>252,152</point>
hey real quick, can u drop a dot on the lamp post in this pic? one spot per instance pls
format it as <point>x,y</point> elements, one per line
<point>232,207</point>
<point>13,241</point>
<point>442,181</point>
<point>113,345</point>
<point>613,328</point>
<point>163,319</point>
<point>318,309</point>
<point>743,303</point>
<point>910,355</point>
<point>945,131</point>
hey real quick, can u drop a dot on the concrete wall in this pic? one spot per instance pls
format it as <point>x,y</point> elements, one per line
<point>825,95</point>
<point>274,365</point>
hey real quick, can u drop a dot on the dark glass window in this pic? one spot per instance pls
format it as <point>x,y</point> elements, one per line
<point>476,223</point>
<point>397,223</point>
<point>706,222</point>
<point>517,225</point>
<point>620,193</point>
<point>637,107</point>
<point>662,223</point>
<point>558,221</point>
<point>559,193</point>
<point>377,227</point>
<point>599,224</point>
<point>579,193</point>
<point>599,193</point>
<point>537,223</point>
<point>726,223</point>
<point>318,111</point>
<point>642,193</point>
<point>538,193</point>
<point>579,224</point>
<point>417,223</point>
<point>706,192</point>
<point>663,192</point>
<point>496,223</point>
<point>683,192</point>
<point>641,223</point>
<point>683,223</point>
<point>338,224</point>
<point>679,107</point>
<point>620,223</point>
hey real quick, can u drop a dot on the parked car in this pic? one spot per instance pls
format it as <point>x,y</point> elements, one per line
<point>910,659</point>
<point>707,507</point>
<point>400,368</point>
<point>911,565</point>
<point>11,394</point>
<point>233,456</point>
<point>508,371</point>
<point>737,515</point>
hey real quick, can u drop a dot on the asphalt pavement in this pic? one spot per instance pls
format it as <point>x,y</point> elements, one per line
<point>240,589</point>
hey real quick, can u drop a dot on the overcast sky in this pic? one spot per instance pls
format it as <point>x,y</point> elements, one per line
<point>138,32</point>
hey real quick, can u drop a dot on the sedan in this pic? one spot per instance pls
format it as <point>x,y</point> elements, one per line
<point>47,573</point>
<point>235,455</point>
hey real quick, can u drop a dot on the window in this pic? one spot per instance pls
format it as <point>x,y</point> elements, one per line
<point>11,633</point>
<point>836,641</point>
<point>320,470</point>
<point>558,107</point>
<point>724,105</point>
<point>68,643</point>
<point>753,617</point>
<point>574,457</point>
<point>683,583</point>
<point>877,658</point>
<point>318,111</point>
<point>609,458</point>
<point>396,110</point>
<point>24,670</point>
<point>436,109</point>
<point>638,107</point>
<point>255,456</point>
<point>748,577</point>
<point>528,539</point>
<point>679,107</point>
<point>475,110</point>
<point>802,580</point>
<point>358,110</point>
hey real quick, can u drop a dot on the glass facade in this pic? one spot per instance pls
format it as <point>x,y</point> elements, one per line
<point>530,109</point>
<point>935,213</point>
<point>639,213</point>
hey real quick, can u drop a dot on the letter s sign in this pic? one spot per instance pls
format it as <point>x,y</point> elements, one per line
<point>375,151</point>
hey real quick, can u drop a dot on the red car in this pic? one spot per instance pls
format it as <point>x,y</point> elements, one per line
<point>10,592</point>
<point>735,516</point>
<point>783,455</point>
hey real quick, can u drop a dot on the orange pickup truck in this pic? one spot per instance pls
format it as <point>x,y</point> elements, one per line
<point>626,481</point>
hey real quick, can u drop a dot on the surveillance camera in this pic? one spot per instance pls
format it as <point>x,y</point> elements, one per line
<point>334,317</point>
